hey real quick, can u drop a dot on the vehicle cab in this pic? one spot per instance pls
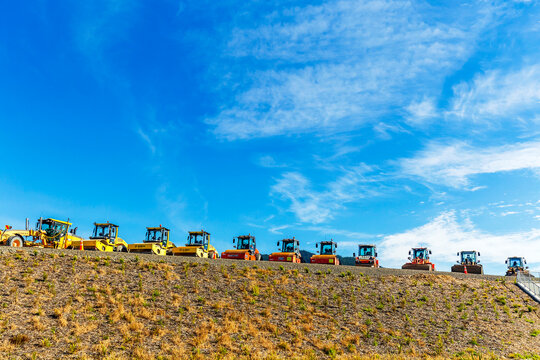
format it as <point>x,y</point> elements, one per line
<point>198,245</point>
<point>468,257</point>
<point>289,251</point>
<point>55,233</point>
<point>326,253</point>
<point>158,235</point>
<point>367,256</point>
<point>516,264</point>
<point>105,231</point>
<point>245,248</point>
<point>419,255</point>
<point>156,241</point>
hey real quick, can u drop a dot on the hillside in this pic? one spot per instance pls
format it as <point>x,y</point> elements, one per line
<point>86,305</point>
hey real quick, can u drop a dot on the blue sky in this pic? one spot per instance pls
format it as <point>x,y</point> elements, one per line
<point>390,122</point>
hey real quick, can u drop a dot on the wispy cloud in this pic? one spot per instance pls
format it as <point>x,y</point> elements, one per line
<point>277,229</point>
<point>268,161</point>
<point>446,235</point>
<point>422,112</point>
<point>317,206</point>
<point>146,138</point>
<point>340,65</point>
<point>453,165</point>
<point>499,96</point>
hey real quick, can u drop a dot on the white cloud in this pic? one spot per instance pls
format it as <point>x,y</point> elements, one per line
<point>146,138</point>
<point>315,207</point>
<point>340,65</point>
<point>454,164</point>
<point>445,236</point>
<point>499,96</point>
<point>268,161</point>
<point>277,229</point>
<point>476,188</point>
<point>421,112</point>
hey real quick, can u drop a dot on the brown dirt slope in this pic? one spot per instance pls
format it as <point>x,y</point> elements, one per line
<point>80,305</point>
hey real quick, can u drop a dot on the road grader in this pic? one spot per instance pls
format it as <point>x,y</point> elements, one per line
<point>245,248</point>
<point>49,233</point>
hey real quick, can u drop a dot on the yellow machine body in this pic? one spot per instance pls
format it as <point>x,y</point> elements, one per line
<point>198,245</point>
<point>156,242</point>
<point>49,233</point>
<point>104,238</point>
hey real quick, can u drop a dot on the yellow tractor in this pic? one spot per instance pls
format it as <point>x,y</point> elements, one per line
<point>104,238</point>
<point>198,245</point>
<point>156,242</point>
<point>49,233</point>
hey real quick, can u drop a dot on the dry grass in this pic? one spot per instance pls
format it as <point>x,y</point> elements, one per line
<point>84,307</point>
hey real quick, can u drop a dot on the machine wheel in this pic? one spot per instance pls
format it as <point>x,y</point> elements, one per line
<point>16,241</point>
<point>258,257</point>
<point>121,248</point>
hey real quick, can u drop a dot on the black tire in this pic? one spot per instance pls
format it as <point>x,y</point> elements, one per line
<point>121,248</point>
<point>15,241</point>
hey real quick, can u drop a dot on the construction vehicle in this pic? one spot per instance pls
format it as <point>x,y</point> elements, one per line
<point>516,264</point>
<point>104,238</point>
<point>155,242</point>
<point>290,251</point>
<point>367,256</point>
<point>49,233</point>
<point>419,260</point>
<point>468,263</point>
<point>326,253</point>
<point>198,245</point>
<point>245,249</point>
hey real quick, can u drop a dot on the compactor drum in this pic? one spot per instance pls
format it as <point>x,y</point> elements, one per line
<point>104,238</point>
<point>245,248</point>
<point>419,260</point>
<point>290,251</point>
<point>326,253</point>
<point>155,242</point>
<point>367,256</point>
<point>468,262</point>
<point>198,245</point>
